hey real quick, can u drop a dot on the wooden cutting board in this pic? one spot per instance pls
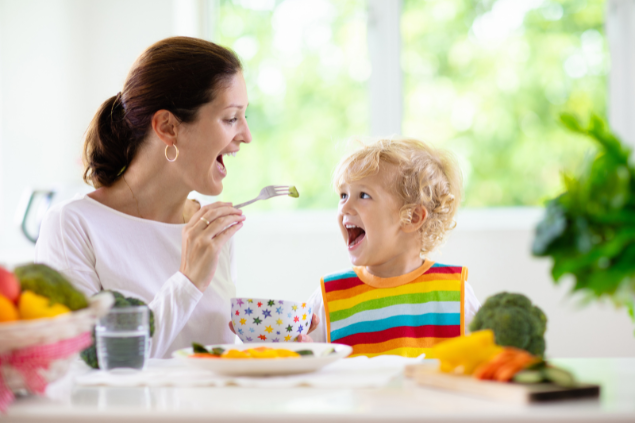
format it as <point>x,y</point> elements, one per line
<point>516,393</point>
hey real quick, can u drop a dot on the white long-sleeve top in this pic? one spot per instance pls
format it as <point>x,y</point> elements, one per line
<point>99,248</point>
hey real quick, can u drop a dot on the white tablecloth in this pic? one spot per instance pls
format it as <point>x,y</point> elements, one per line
<point>357,372</point>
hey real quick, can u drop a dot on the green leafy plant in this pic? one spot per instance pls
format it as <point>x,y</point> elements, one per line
<point>589,230</point>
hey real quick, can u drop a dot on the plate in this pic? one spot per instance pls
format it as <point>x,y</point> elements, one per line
<point>267,367</point>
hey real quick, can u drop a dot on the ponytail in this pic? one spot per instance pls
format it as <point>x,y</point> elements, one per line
<point>108,147</point>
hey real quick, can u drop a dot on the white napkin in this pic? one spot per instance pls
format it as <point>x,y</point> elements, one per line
<point>357,372</point>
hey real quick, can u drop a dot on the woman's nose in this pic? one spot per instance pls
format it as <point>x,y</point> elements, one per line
<point>246,134</point>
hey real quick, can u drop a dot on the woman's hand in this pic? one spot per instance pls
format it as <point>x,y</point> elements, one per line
<point>202,243</point>
<point>315,321</point>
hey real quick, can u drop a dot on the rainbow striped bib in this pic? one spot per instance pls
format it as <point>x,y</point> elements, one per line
<point>404,315</point>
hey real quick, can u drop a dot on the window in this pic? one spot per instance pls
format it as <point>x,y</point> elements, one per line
<point>486,79</point>
<point>306,70</point>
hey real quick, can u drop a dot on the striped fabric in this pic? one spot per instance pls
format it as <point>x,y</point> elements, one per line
<point>403,316</point>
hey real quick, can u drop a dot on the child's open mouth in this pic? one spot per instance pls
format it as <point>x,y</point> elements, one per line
<point>355,236</point>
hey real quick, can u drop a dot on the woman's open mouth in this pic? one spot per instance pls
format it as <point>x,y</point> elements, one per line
<point>221,165</point>
<point>355,236</point>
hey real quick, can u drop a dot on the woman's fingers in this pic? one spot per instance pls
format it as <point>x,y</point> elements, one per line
<point>231,327</point>
<point>315,321</point>
<point>221,224</point>
<point>225,235</point>
<point>203,222</point>
<point>207,208</point>
<point>304,338</point>
<point>211,211</point>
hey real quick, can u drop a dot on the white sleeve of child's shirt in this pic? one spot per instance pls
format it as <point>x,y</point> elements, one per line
<point>471,305</point>
<point>317,304</point>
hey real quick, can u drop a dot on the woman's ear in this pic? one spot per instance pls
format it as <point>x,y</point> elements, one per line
<point>165,126</point>
<point>417,215</point>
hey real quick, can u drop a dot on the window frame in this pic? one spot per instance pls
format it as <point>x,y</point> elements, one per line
<point>620,34</point>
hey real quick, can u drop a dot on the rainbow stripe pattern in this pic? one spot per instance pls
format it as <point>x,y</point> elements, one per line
<point>403,316</point>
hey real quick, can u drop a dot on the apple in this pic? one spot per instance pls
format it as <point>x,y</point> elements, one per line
<point>9,285</point>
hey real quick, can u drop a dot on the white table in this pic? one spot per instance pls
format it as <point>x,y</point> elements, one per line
<point>399,401</point>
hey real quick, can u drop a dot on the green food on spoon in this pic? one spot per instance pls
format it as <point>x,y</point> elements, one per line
<point>293,192</point>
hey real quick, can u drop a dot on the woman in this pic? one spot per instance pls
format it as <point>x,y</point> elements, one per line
<point>182,109</point>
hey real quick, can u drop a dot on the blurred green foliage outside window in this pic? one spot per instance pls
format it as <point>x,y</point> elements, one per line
<point>486,79</point>
<point>306,68</point>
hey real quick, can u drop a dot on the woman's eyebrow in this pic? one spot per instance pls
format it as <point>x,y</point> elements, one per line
<point>237,106</point>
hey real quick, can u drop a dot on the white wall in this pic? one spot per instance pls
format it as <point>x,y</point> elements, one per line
<point>283,256</point>
<point>59,60</point>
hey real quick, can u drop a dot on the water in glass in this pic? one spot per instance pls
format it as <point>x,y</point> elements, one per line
<point>123,338</point>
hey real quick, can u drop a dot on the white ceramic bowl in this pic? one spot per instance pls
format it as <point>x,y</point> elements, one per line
<point>267,320</point>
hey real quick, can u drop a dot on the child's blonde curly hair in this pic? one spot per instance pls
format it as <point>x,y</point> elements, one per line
<point>425,176</point>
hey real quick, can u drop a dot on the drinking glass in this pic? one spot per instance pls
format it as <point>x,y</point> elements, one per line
<point>123,338</point>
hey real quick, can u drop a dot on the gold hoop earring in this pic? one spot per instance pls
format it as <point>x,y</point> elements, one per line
<point>176,156</point>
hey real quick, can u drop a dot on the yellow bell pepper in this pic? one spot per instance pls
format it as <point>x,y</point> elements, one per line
<point>235,354</point>
<point>33,306</point>
<point>464,354</point>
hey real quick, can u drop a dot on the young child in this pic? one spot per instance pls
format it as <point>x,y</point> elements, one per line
<point>398,199</point>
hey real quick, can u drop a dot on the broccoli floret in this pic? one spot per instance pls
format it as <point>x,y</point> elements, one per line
<point>516,322</point>
<point>136,302</point>
<point>89,355</point>
<point>49,283</point>
<point>537,346</point>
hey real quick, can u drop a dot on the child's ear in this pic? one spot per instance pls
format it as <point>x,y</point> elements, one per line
<point>417,215</point>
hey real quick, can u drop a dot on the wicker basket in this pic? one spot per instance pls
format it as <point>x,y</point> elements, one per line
<point>28,333</point>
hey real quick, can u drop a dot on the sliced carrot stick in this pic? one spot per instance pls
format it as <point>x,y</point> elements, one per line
<point>487,370</point>
<point>506,373</point>
<point>504,365</point>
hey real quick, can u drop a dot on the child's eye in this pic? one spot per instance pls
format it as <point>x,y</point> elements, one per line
<point>343,196</point>
<point>363,195</point>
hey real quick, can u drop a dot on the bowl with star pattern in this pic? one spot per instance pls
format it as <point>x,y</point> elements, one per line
<point>268,320</point>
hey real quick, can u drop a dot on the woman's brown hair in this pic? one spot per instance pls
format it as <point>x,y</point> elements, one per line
<point>178,74</point>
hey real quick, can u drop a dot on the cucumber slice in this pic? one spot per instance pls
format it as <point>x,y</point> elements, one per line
<point>529,376</point>
<point>218,351</point>
<point>559,376</point>
<point>303,353</point>
<point>328,351</point>
<point>293,192</point>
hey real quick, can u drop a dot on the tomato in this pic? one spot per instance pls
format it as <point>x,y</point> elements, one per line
<point>9,285</point>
